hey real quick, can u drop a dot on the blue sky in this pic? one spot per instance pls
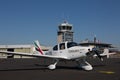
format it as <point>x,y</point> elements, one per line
<point>23,21</point>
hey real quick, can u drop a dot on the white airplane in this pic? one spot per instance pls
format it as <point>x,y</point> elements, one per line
<point>66,51</point>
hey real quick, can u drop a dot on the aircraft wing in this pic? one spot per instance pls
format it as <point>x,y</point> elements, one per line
<point>33,55</point>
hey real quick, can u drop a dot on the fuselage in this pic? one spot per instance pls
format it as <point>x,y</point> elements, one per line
<point>70,50</point>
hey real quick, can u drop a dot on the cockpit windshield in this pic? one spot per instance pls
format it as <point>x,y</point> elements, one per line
<point>71,44</point>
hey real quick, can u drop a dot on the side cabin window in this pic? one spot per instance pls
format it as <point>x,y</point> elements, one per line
<point>62,46</point>
<point>55,47</point>
<point>71,44</point>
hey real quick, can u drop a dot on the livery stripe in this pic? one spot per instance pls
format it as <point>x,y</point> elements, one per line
<point>38,49</point>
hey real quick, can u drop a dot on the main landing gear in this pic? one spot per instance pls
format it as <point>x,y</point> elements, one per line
<point>53,66</point>
<point>84,65</point>
<point>81,64</point>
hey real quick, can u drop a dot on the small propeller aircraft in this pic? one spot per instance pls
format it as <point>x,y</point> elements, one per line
<point>64,51</point>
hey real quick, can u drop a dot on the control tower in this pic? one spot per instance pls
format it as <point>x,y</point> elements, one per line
<point>65,32</point>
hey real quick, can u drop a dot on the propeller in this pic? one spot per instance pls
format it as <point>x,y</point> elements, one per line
<point>95,51</point>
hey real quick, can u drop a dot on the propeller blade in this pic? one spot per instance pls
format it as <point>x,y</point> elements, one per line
<point>98,55</point>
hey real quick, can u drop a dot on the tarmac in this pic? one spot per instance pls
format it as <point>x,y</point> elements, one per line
<point>36,69</point>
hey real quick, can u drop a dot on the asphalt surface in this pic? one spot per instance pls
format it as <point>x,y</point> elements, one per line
<point>36,69</point>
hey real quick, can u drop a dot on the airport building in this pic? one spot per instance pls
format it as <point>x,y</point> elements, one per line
<point>95,43</point>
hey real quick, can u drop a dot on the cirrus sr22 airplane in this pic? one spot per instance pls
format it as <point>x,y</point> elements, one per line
<point>64,51</point>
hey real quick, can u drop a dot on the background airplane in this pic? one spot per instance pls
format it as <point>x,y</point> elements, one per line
<point>64,51</point>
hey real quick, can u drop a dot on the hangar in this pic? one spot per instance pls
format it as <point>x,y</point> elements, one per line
<point>19,48</point>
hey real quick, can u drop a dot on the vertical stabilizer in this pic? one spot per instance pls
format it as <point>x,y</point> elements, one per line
<point>37,47</point>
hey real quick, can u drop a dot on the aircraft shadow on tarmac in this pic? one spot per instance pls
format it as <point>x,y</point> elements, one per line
<point>45,68</point>
<point>42,69</point>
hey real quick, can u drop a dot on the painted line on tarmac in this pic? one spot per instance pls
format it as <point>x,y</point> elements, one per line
<point>107,72</point>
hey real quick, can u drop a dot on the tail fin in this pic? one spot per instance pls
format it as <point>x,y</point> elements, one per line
<point>37,47</point>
